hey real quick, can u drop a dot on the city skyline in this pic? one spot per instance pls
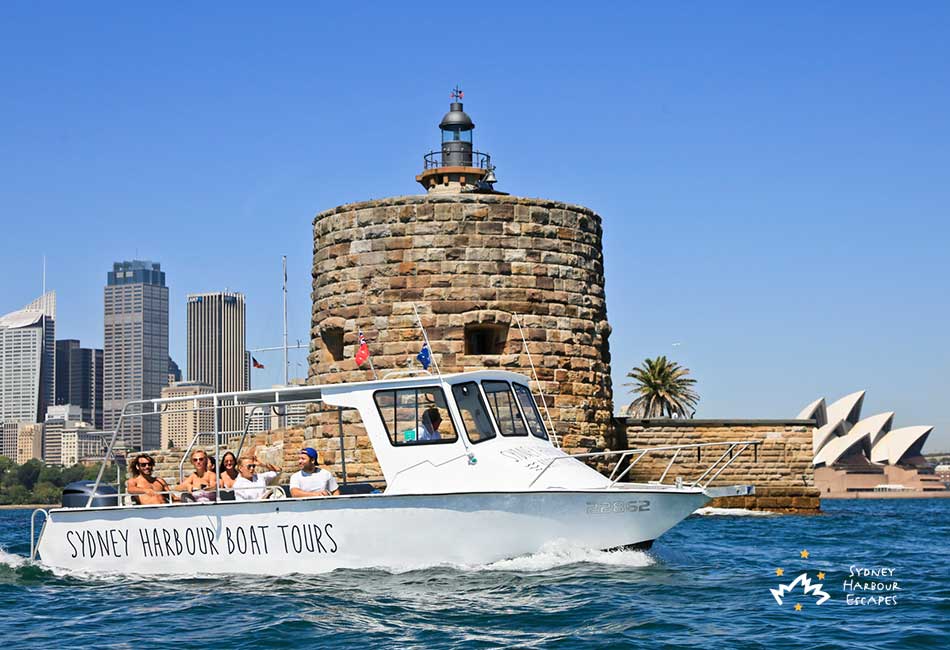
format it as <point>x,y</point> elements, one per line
<point>769,177</point>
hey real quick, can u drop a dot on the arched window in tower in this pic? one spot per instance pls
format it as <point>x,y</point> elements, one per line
<point>485,338</point>
<point>332,338</point>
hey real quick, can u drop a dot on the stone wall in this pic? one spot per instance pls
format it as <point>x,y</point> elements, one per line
<point>466,261</point>
<point>782,474</point>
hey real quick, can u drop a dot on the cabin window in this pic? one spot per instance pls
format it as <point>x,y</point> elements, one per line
<point>485,338</point>
<point>475,420</point>
<point>530,411</point>
<point>503,407</point>
<point>332,338</point>
<point>415,416</point>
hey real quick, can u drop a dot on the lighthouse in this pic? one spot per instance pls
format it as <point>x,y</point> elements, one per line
<point>457,167</point>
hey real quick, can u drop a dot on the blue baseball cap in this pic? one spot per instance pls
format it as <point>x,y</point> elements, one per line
<point>310,451</point>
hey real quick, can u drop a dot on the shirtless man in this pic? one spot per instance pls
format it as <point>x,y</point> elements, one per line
<point>200,486</point>
<point>143,485</point>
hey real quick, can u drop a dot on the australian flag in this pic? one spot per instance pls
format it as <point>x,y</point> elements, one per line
<point>424,357</point>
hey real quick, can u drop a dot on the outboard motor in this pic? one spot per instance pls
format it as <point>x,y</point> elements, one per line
<point>75,495</point>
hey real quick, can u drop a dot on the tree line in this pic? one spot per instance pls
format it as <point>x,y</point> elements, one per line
<point>34,482</point>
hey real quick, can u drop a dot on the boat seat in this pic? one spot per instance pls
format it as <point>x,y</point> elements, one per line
<point>356,488</point>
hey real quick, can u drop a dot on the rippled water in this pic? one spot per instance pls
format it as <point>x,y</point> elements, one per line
<point>705,584</point>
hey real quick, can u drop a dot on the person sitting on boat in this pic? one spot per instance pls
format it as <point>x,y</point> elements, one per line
<point>146,489</point>
<point>250,486</point>
<point>312,481</point>
<point>431,420</point>
<point>200,486</point>
<point>228,475</point>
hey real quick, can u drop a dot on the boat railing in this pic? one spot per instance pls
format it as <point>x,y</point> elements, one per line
<point>34,542</point>
<point>278,398</point>
<point>256,411</point>
<point>733,450</point>
<point>273,491</point>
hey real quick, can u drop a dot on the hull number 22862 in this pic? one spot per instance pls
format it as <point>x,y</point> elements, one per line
<point>617,507</point>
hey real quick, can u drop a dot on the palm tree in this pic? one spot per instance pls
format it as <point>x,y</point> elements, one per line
<point>664,390</point>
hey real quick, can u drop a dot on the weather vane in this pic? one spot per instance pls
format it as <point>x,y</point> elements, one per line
<point>457,94</point>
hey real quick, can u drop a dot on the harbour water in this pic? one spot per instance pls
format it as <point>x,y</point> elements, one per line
<point>705,584</point>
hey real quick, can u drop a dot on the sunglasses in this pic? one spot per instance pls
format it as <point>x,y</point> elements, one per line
<point>146,464</point>
<point>199,460</point>
<point>251,466</point>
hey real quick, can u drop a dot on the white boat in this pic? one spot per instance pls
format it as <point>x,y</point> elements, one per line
<point>492,486</point>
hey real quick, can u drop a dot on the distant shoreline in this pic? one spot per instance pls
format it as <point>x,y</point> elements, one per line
<point>908,494</point>
<point>29,506</point>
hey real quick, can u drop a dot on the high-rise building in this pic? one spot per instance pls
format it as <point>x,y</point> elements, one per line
<point>79,379</point>
<point>174,372</point>
<point>29,442</point>
<point>63,349</point>
<point>135,351</point>
<point>28,361</point>
<point>181,421</point>
<point>8,439</point>
<point>64,417</point>
<point>216,347</point>
<point>81,442</point>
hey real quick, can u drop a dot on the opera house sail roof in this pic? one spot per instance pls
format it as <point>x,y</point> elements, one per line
<point>840,435</point>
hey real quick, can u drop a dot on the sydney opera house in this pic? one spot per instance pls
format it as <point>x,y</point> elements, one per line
<point>854,455</point>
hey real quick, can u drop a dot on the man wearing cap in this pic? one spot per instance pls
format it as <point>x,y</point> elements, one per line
<point>311,481</point>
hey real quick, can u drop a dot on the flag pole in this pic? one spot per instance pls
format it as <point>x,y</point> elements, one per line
<point>370,359</point>
<point>286,378</point>
<point>375,376</point>
<point>426,338</point>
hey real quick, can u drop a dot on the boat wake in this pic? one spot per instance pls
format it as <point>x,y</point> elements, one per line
<point>552,555</point>
<point>558,555</point>
<point>732,512</point>
<point>12,560</point>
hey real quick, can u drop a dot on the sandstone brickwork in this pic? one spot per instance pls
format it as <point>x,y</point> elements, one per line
<point>465,261</point>
<point>782,473</point>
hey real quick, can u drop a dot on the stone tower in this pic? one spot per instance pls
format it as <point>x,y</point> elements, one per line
<point>474,262</point>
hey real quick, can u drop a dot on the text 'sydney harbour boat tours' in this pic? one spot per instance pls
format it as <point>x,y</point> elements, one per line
<point>490,485</point>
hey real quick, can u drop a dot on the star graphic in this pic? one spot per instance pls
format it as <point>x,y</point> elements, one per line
<point>804,555</point>
<point>821,575</point>
<point>798,607</point>
<point>779,572</point>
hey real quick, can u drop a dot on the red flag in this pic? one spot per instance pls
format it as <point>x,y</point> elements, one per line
<point>362,353</point>
<point>256,363</point>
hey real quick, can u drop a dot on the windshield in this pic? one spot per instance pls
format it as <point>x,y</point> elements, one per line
<point>478,427</point>
<point>530,410</point>
<point>415,416</point>
<point>504,408</point>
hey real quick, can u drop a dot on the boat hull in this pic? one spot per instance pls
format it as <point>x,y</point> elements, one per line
<point>322,534</point>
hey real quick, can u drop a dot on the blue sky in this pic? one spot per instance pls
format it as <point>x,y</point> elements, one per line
<point>773,180</point>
